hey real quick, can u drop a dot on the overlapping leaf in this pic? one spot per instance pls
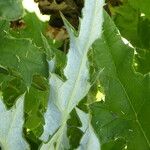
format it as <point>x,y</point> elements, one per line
<point>89,140</point>
<point>11,127</point>
<point>135,27</point>
<point>142,5</point>
<point>35,103</point>
<point>32,28</point>
<point>21,56</point>
<point>124,116</point>
<point>11,9</point>
<point>64,96</point>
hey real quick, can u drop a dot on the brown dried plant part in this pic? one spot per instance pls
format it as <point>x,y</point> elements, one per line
<point>71,9</point>
<point>110,4</point>
<point>59,34</point>
<point>18,24</point>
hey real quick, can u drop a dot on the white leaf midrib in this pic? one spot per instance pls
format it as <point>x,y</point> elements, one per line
<point>85,48</point>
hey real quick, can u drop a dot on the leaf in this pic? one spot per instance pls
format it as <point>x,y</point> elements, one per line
<point>128,23</point>
<point>142,5</point>
<point>74,132</point>
<point>4,26</point>
<point>53,114</point>
<point>57,58</point>
<point>11,9</point>
<point>125,112</point>
<point>64,96</point>
<point>135,28</point>
<point>143,48</point>
<point>21,56</point>
<point>11,87</point>
<point>32,29</point>
<point>89,140</point>
<point>118,144</point>
<point>11,90</point>
<point>11,124</point>
<point>142,60</point>
<point>35,103</point>
<point>4,77</point>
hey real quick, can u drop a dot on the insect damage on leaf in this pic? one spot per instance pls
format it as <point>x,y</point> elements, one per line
<point>17,24</point>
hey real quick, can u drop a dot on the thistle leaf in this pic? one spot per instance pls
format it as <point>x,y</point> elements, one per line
<point>11,123</point>
<point>66,95</point>
<point>89,140</point>
<point>123,118</point>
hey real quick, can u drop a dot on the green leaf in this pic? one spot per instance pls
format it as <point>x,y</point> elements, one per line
<point>136,29</point>
<point>21,56</point>
<point>11,124</point>
<point>89,140</point>
<point>35,103</point>
<point>64,96</point>
<point>12,89</point>
<point>32,29</point>
<point>142,60</point>
<point>11,9</point>
<point>4,77</point>
<point>125,111</point>
<point>118,144</point>
<point>57,58</point>
<point>128,23</point>
<point>142,5</point>
<point>4,26</point>
<point>74,132</point>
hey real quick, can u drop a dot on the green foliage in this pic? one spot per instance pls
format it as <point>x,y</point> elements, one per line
<point>92,95</point>
<point>35,103</point>
<point>11,9</point>
<point>143,6</point>
<point>22,57</point>
<point>124,113</point>
<point>33,27</point>
<point>135,27</point>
